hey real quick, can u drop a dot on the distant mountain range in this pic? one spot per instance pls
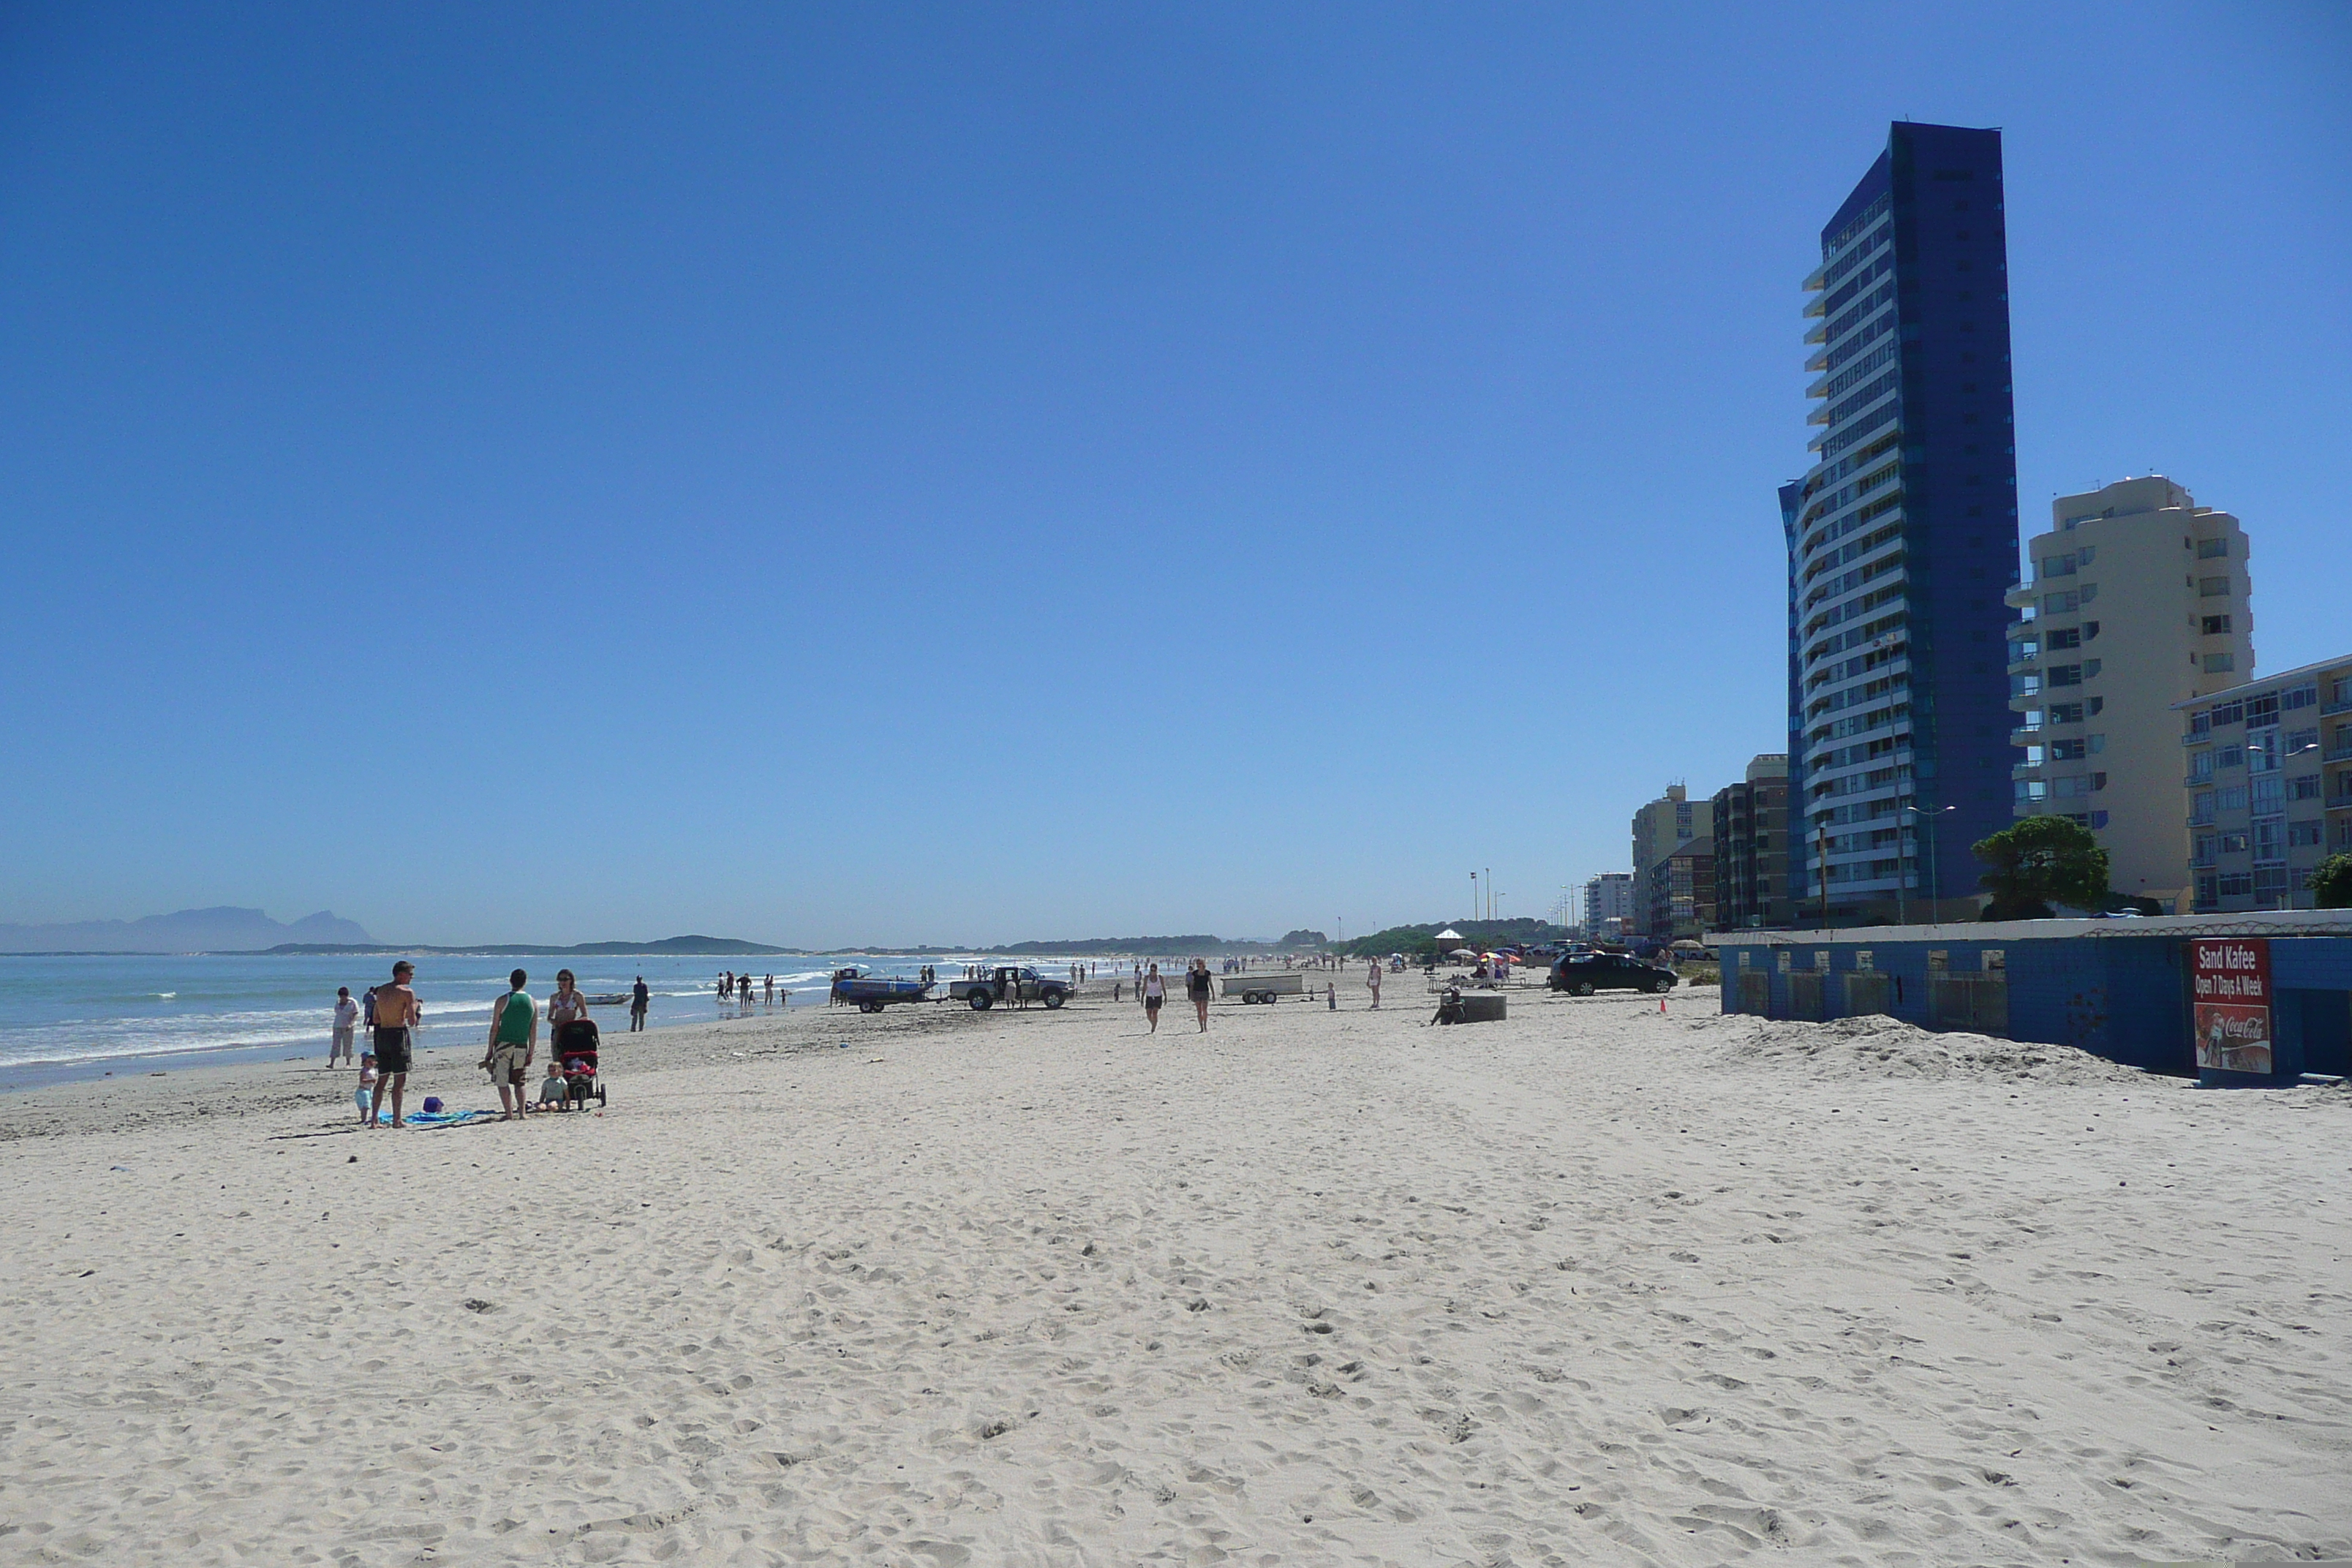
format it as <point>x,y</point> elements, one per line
<point>691,946</point>
<point>221,929</point>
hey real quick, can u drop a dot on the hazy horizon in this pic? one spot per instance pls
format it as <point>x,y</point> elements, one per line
<point>861,476</point>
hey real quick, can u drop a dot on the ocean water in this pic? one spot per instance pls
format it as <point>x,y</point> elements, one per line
<point>83,1016</point>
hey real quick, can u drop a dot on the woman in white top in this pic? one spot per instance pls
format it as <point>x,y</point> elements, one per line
<point>1155,992</point>
<point>566,1007</point>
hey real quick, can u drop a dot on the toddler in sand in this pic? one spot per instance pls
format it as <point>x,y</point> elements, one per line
<point>365,1095</point>
<point>552,1089</point>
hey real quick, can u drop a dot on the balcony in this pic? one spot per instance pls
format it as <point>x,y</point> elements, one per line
<point>1817,279</point>
<point>2020,663</point>
<point>2025,735</point>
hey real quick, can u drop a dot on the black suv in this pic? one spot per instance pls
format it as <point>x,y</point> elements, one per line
<point>1583,974</point>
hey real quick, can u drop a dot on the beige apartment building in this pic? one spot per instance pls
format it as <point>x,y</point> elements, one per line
<point>1661,827</point>
<point>2135,600</point>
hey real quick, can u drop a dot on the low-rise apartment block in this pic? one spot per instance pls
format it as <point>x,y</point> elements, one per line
<point>1660,827</point>
<point>1681,891</point>
<point>2269,782</point>
<point>1751,819</point>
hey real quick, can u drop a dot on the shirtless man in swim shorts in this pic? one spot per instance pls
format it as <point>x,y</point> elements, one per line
<point>395,1033</point>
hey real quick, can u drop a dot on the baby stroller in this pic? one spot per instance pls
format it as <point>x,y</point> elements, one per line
<point>575,1049</point>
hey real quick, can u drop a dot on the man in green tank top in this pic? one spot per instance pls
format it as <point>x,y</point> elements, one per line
<point>514,1039</point>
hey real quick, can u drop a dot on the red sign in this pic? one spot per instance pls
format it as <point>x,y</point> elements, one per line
<point>2230,980</point>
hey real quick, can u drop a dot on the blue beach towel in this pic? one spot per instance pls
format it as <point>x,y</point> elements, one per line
<point>431,1119</point>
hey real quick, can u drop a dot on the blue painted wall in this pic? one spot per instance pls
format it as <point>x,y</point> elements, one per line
<point>2124,998</point>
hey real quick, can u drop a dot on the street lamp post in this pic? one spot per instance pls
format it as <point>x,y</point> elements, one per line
<point>1934,886</point>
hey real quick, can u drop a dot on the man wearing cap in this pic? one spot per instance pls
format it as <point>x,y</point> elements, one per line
<point>395,1024</point>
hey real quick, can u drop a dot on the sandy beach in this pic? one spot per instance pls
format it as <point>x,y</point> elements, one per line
<point>1589,1284</point>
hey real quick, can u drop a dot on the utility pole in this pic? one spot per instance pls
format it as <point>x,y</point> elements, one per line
<point>1821,843</point>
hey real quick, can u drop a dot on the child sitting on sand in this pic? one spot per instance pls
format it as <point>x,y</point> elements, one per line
<point>552,1089</point>
<point>365,1095</point>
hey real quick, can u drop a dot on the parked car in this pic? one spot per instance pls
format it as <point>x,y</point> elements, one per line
<point>1583,974</point>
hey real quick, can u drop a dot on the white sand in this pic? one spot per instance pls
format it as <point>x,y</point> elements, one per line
<point>1588,1285</point>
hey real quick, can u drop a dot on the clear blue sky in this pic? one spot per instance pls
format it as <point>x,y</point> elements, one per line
<point>939,473</point>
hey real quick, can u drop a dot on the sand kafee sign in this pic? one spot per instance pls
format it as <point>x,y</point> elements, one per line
<point>2230,980</point>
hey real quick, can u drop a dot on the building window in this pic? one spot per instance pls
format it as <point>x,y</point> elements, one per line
<point>2234,843</point>
<point>2237,884</point>
<point>2304,788</point>
<point>2065,675</point>
<point>2220,663</point>
<point>2302,696</point>
<point>2065,713</point>
<point>2232,798</point>
<point>2212,549</point>
<point>2059,604</point>
<point>2098,819</point>
<point>2070,638</point>
<point>2202,854</point>
<point>2063,566</point>
<point>2202,812</point>
<point>2212,587</point>
<point>2217,625</point>
<point>2302,835</point>
<point>2201,767</point>
<point>2270,841</point>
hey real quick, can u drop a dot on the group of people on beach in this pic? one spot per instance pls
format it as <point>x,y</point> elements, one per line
<point>391,1015</point>
<point>743,990</point>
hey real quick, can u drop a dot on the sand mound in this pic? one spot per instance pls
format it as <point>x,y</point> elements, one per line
<point>1879,1046</point>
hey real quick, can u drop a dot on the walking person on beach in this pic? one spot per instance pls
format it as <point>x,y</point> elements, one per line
<point>1372,979</point>
<point>1196,986</point>
<point>1154,991</point>
<point>347,1017</point>
<point>514,1041</point>
<point>640,998</point>
<point>393,1033</point>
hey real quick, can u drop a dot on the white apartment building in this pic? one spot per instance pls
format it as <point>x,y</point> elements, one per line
<point>2135,600</point>
<point>1608,897</point>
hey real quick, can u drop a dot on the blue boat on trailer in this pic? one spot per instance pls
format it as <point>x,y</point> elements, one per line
<point>872,993</point>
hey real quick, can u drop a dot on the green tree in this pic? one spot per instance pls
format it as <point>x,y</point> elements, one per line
<point>2331,883</point>
<point>2039,861</point>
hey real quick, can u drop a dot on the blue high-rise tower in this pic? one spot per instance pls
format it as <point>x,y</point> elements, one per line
<point>1903,539</point>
